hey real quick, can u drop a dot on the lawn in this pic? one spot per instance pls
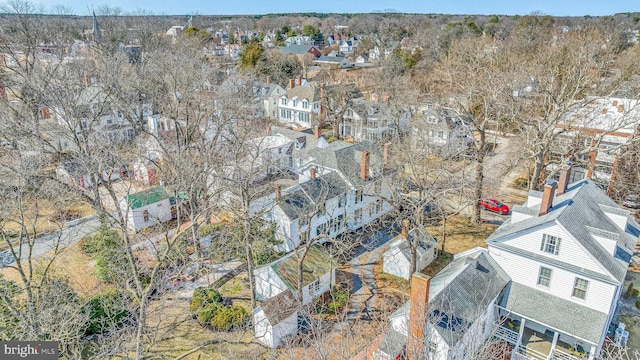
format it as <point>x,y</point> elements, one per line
<point>461,235</point>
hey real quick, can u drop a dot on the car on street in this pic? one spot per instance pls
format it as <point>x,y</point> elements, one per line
<point>495,206</point>
<point>632,201</point>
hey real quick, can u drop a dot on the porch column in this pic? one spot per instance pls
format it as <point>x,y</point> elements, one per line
<point>592,352</point>
<point>553,343</point>
<point>522,322</point>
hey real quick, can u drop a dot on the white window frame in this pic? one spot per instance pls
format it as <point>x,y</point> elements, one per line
<point>544,279</point>
<point>550,244</point>
<point>582,290</point>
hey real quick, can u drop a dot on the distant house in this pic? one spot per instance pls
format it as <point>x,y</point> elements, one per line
<point>268,94</point>
<point>73,172</point>
<point>362,59</point>
<point>276,319</point>
<point>441,130</point>
<point>372,120</point>
<point>146,172</point>
<point>319,274</point>
<point>299,104</point>
<point>146,208</point>
<point>397,260</point>
<point>332,62</point>
<point>300,50</point>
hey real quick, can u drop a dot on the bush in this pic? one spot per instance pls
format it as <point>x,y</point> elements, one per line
<point>635,293</point>
<point>229,317</point>
<point>340,298</point>
<point>105,311</point>
<point>203,297</point>
<point>209,229</point>
<point>629,292</point>
<point>205,314</point>
<point>638,304</point>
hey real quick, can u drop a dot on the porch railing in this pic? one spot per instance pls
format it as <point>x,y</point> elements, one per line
<point>507,335</point>
<point>522,352</point>
<point>561,355</point>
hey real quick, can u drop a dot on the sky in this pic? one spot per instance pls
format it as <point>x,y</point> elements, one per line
<point>238,7</point>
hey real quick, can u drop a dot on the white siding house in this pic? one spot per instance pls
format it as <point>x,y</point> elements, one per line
<point>281,275</point>
<point>566,250</point>
<point>146,208</point>
<point>276,319</point>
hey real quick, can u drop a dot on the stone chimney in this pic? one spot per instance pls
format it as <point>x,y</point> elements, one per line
<point>316,131</point>
<point>405,229</point>
<point>565,175</point>
<point>278,192</point>
<point>312,173</point>
<point>547,197</point>
<point>268,80</point>
<point>364,173</point>
<point>292,83</point>
<point>418,314</point>
<point>386,156</point>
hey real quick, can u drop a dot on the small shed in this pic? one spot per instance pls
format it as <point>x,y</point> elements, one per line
<point>276,319</point>
<point>397,260</point>
<point>146,208</point>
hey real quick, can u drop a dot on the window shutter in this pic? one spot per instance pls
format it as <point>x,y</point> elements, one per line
<point>557,246</point>
<point>544,237</point>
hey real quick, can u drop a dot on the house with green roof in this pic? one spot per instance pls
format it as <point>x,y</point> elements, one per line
<point>319,274</point>
<point>146,208</point>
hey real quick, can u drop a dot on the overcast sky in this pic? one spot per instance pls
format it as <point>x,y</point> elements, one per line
<point>230,7</point>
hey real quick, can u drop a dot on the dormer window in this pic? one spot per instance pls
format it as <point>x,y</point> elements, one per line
<point>295,102</point>
<point>283,101</point>
<point>305,105</point>
<point>550,244</point>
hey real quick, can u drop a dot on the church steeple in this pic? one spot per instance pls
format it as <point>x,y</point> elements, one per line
<point>97,35</point>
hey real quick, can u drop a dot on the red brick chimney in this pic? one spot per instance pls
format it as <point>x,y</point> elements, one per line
<point>364,173</point>
<point>418,312</point>
<point>268,80</point>
<point>565,174</point>
<point>299,80</point>
<point>312,173</point>
<point>316,131</point>
<point>292,83</point>
<point>87,80</point>
<point>547,197</point>
<point>386,156</point>
<point>278,192</point>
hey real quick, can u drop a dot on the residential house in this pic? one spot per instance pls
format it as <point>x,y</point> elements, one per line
<point>449,316</point>
<point>300,51</point>
<point>75,173</point>
<point>341,186</point>
<point>362,59</point>
<point>347,46</point>
<point>397,260</point>
<point>146,208</point>
<point>276,319</point>
<point>268,94</point>
<point>566,250</point>
<point>372,120</point>
<point>299,40</point>
<point>300,104</point>
<point>441,130</point>
<point>601,125</point>
<point>146,172</point>
<point>332,62</point>
<point>318,275</point>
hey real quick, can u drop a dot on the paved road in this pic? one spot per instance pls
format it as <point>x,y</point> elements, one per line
<point>47,243</point>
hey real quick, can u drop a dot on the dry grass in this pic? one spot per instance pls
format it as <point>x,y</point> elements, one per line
<point>70,263</point>
<point>44,218</point>
<point>461,235</point>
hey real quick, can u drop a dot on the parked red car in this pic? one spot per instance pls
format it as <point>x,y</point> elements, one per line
<point>495,206</point>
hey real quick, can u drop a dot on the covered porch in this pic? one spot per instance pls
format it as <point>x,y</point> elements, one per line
<point>534,341</point>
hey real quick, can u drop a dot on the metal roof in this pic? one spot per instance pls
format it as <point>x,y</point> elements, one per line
<point>146,197</point>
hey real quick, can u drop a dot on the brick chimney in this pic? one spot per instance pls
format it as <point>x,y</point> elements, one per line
<point>547,196</point>
<point>604,111</point>
<point>316,131</point>
<point>364,173</point>
<point>299,80</point>
<point>418,313</point>
<point>615,103</point>
<point>405,229</point>
<point>312,173</point>
<point>386,156</point>
<point>292,83</point>
<point>87,80</point>
<point>278,192</point>
<point>565,175</point>
<point>268,80</point>
<point>375,98</point>
<point>620,108</point>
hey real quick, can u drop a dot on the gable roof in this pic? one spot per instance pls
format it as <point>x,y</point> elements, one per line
<point>296,49</point>
<point>581,208</point>
<point>146,197</point>
<point>425,242</point>
<point>315,264</point>
<point>310,93</point>
<point>280,307</point>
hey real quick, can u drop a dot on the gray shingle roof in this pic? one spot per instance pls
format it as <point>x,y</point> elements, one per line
<point>295,49</point>
<point>393,343</point>
<point>580,209</point>
<point>280,307</point>
<point>545,308</point>
<point>304,197</point>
